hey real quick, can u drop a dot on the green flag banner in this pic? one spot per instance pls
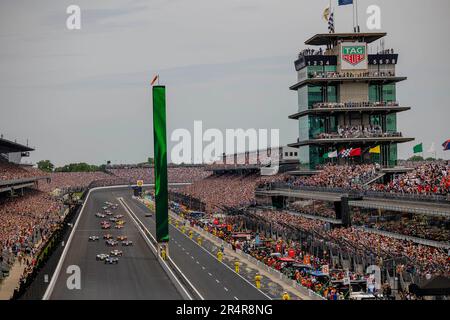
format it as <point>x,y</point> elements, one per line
<point>160,148</point>
<point>418,148</point>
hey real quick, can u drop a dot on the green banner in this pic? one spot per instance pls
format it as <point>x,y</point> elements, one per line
<point>160,147</point>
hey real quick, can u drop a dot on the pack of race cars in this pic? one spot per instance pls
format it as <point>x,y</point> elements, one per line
<point>110,240</point>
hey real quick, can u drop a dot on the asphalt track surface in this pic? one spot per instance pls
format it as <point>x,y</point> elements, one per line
<point>138,275</point>
<point>212,279</point>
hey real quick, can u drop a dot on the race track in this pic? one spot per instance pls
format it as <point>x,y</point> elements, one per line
<point>138,275</point>
<point>212,279</point>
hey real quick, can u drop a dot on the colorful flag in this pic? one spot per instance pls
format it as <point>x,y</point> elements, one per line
<point>355,152</point>
<point>333,154</point>
<point>160,149</point>
<point>330,155</point>
<point>446,145</point>
<point>376,150</point>
<point>345,2</point>
<point>418,148</point>
<point>154,79</point>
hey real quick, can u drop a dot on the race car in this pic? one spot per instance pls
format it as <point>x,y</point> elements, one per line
<point>93,238</point>
<point>100,215</point>
<point>111,260</point>
<point>112,219</point>
<point>108,213</point>
<point>149,215</point>
<point>118,216</point>
<point>101,256</point>
<point>106,226</point>
<point>121,238</point>
<point>120,222</point>
<point>111,243</point>
<point>104,208</point>
<point>107,236</point>
<point>127,243</point>
<point>116,253</point>
<point>119,226</point>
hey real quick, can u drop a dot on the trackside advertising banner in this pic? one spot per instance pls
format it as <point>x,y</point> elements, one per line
<point>160,148</point>
<point>354,56</point>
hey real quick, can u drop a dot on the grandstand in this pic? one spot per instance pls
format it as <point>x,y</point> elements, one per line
<point>28,216</point>
<point>14,176</point>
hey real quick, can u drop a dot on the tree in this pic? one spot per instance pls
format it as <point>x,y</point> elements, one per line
<point>78,167</point>
<point>151,161</point>
<point>416,158</point>
<point>45,165</point>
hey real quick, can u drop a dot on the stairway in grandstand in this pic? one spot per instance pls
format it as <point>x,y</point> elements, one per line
<point>377,178</point>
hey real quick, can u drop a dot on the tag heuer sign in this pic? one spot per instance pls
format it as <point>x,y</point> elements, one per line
<point>353,56</point>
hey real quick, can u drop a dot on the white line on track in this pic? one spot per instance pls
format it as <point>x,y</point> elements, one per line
<point>225,288</point>
<point>131,213</point>
<point>228,267</point>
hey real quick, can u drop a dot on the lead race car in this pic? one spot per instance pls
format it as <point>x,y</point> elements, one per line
<point>94,238</point>
<point>101,256</point>
<point>111,260</point>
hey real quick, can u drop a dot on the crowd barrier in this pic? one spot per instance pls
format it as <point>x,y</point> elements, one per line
<point>437,198</point>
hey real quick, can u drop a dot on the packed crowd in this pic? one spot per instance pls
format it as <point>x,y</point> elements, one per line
<point>334,176</point>
<point>367,74</point>
<point>428,178</point>
<point>313,207</point>
<point>419,226</point>
<point>371,131</point>
<point>422,259</point>
<point>26,223</point>
<point>11,171</point>
<point>330,105</point>
<point>67,180</point>
<point>175,174</point>
<point>228,190</point>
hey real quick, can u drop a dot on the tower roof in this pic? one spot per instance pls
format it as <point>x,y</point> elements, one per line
<point>322,39</point>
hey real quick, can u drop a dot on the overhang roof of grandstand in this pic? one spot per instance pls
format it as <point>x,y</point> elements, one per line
<point>7,146</point>
<point>351,141</point>
<point>322,39</point>
<point>322,81</point>
<point>374,110</point>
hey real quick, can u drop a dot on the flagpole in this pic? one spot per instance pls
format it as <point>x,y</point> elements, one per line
<point>356,15</point>
<point>353,6</point>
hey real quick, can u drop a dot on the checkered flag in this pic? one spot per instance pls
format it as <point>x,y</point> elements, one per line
<point>331,23</point>
<point>346,153</point>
